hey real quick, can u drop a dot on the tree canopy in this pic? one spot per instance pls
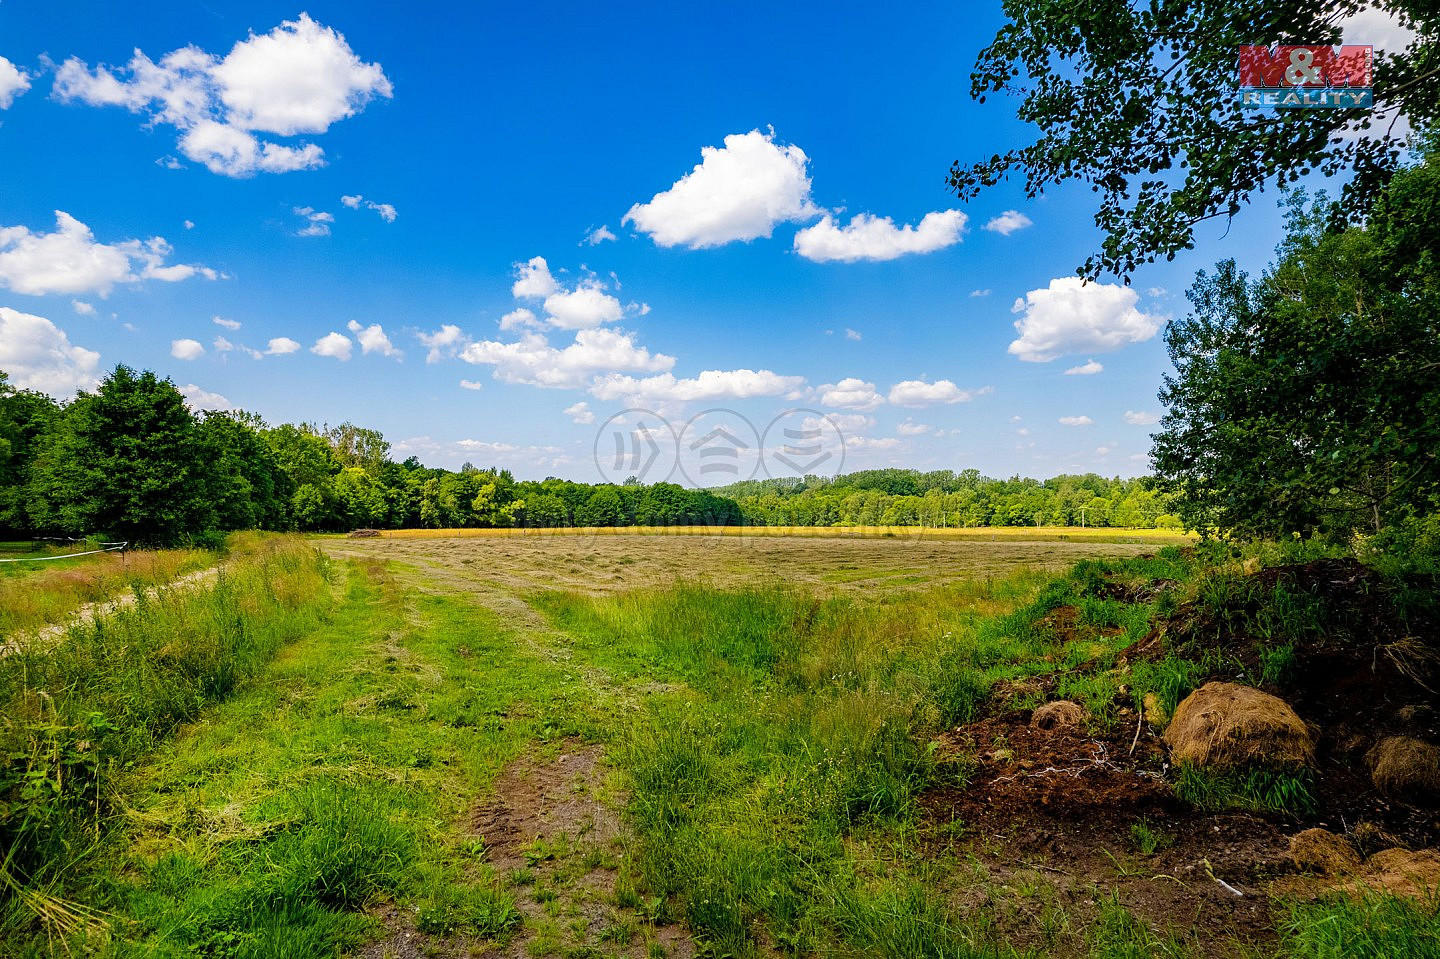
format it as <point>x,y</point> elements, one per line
<point>1139,101</point>
<point>1308,400</point>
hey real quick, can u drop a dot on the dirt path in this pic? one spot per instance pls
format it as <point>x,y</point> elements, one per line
<point>88,613</point>
<point>550,826</point>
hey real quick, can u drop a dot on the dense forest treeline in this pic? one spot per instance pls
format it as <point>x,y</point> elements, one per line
<point>132,461</point>
<point>900,497</point>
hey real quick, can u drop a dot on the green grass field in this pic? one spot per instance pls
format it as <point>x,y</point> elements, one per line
<point>421,748</point>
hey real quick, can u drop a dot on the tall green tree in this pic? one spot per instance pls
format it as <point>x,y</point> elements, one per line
<point>128,460</point>
<point>1138,100</point>
<point>25,417</point>
<point>1308,401</point>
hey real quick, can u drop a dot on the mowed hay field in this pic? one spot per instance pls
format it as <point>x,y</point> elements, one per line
<point>609,560</point>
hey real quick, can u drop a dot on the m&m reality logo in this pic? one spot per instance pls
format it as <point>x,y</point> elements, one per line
<point>1288,77</point>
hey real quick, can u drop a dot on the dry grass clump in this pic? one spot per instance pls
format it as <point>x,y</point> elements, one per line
<point>1405,768</point>
<point>1228,726</point>
<point>1060,713</point>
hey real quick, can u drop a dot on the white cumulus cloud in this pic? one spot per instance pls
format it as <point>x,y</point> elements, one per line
<point>532,361</point>
<point>851,393</point>
<point>708,386</point>
<point>39,356</point>
<point>1141,418</point>
<point>1088,368</point>
<point>869,237</point>
<point>1008,222</point>
<point>471,385</point>
<point>83,308</point>
<point>13,82</point>
<point>533,280</point>
<point>586,306</point>
<point>1072,316</point>
<point>599,235</point>
<point>332,344</point>
<point>580,412</point>
<point>1075,421</point>
<point>299,78</point>
<point>373,339</point>
<point>918,393</point>
<point>200,399</point>
<point>737,192</point>
<point>187,349</point>
<point>909,428</point>
<point>443,343</point>
<point>281,345</point>
<point>70,260</point>
<point>228,324</point>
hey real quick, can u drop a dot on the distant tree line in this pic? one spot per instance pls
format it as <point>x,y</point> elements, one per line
<point>132,461</point>
<point>942,498</point>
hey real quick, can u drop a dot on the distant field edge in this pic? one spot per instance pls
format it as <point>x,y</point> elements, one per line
<point>978,533</point>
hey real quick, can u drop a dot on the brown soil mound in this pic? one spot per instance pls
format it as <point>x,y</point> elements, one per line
<point>1406,769</point>
<point>1062,712</point>
<point>1401,872</point>
<point>1321,851</point>
<point>1225,725</point>
<point>363,533</point>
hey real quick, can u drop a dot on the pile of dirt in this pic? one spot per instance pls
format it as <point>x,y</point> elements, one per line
<point>1400,872</point>
<point>1321,851</point>
<point>1229,726</point>
<point>363,533</point>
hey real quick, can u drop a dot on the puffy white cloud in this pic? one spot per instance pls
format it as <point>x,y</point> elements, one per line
<point>582,307</point>
<point>1141,418</point>
<point>199,399</point>
<point>281,345</point>
<point>909,428</point>
<point>533,280</point>
<point>71,261</point>
<point>187,349</point>
<point>599,235</point>
<point>1008,222</point>
<point>373,339</point>
<point>443,343</point>
<point>977,293</point>
<point>299,78</point>
<point>850,424</point>
<point>1071,316</point>
<point>332,344</point>
<point>228,324</point>
<point>13,82</point>
<point>737,192</point>
<point>39,356</point>
<point>317,221</point>
<point>709,385</point>
<point>586,306</point>
<point>471,385</point>
<point>1088,368</point>
<point>852,335</point>
<point>520,319</point>
<point>917,393</point>
<point>878,238</point>
<point>872,443</point>
<point>1075,420</point>
<point>531,360</point>
<point>580,412</point>
<point>189,224</point>
<point>851,393</point>
<point>83,308</point>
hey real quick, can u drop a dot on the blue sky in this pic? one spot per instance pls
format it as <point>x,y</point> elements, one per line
<point>351,197</point>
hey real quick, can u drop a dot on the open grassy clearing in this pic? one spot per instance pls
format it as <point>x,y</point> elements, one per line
<point>807,749</point>
<point>1024,534</point>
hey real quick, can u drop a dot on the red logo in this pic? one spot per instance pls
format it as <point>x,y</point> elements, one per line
<point>1305,66</point>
